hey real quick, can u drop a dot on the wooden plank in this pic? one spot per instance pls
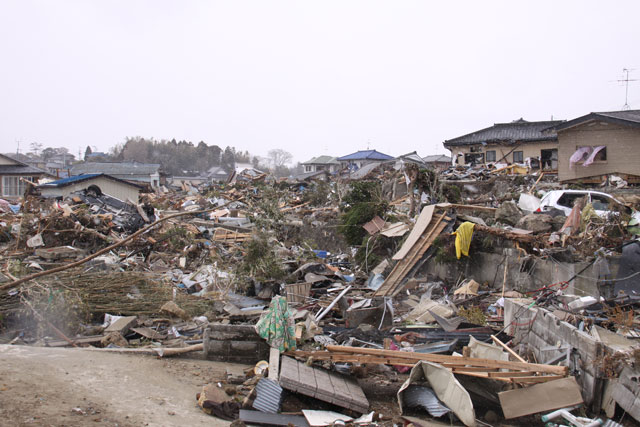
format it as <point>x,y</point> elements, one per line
<point>274,363</point>
<point>289,375</point>
<point>548,396</point>
<point>511,374</point>
<point>307,381</point>
<point>391,284</point>
<point>440,358</point>
<point>324,385</point>
<point>360,402</point>
<point>340,385</point>
<point>423,221</point>
<point>503,345</point>
<point>325,390</point>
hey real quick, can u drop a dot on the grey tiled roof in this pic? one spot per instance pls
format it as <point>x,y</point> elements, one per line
<point>509,133</point>
<point>118,169</point>
<point>322,160</point>
<point>437,158</point>
<point>626,117</point>
<point>21,170</point>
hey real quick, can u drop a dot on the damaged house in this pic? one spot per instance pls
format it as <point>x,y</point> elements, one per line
<point>14,176</point>
<point>513,142</point>
<point>322,163</point>
<point>144,173</point>
<point>98,183</point>
<point>594,146</point>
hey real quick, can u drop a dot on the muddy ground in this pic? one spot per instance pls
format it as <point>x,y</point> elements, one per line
<point>68,387</point>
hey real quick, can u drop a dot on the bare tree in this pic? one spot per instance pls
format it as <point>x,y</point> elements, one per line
<point>278,158</point>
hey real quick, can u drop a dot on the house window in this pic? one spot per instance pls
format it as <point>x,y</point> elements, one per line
<point>588,154</point>
<point>549,159</point>
<point>491,156</point>
<point>12,186</point>
<point>518,157</point>
<point>473,158</point>
<point>308,168</point>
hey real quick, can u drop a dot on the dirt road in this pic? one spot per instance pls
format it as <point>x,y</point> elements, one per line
<point>75,387</point>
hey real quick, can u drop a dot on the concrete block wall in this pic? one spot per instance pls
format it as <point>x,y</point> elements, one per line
<point>234,343</point>
<point>538,329</point>
<point>489,268</point>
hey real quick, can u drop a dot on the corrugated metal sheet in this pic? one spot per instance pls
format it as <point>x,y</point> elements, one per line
<point>423,397</point>
<point>268,396</point>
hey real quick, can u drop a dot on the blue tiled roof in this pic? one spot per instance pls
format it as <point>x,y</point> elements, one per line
<point>71,179</point>
<point>365,155</point>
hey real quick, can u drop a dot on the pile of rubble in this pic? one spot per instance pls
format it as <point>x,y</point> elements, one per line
<point>395,296</point>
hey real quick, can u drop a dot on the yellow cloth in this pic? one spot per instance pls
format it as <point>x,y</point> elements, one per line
<point>463,238</point>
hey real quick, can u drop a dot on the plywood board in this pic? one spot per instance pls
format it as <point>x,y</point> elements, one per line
<point>544,397</point>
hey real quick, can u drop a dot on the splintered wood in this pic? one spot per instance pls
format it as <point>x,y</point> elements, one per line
<point>323,385</point>
<point>516,372</point>
<point>224,235</point>
<point>391,285</point>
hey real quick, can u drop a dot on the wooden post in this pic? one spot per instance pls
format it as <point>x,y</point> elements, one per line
<point>274,363</point>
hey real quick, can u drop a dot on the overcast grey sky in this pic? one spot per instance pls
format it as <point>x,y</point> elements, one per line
<point>311,77</point>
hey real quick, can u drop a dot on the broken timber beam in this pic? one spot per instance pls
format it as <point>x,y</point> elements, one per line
<point>440,358</point>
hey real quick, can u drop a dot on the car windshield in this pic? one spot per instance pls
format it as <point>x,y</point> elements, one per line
<point>568,199</point>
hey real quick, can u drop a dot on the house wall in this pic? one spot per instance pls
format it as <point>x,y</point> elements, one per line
<point>529,149</point>
<point>33,178</point>
<point>314,167</point>
<point>112,188</point>
<point>623,150</point>
<point>6,161</point>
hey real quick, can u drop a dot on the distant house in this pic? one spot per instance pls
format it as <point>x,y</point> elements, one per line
<point>148,173</point>
<point>97,182</point>
<point>513,142</point>
<point>596,145</point>
<point>321,175</point>
<point>364,157</point>
<point>13,177</point>
<point>412,157</point>
<point>437,161</point>
<point>217,174</point>
<point>321,163</point>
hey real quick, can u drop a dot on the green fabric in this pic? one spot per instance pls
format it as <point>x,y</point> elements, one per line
<point>277,327</point>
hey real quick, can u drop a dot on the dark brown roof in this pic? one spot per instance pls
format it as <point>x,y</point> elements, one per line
<point>508,133</point>
<point>626,117</point>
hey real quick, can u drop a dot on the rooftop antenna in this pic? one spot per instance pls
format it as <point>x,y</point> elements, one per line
<point>626,81</point>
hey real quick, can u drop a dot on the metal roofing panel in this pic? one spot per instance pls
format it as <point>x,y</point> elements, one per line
<point>424,397</point>
<point>268,396</point>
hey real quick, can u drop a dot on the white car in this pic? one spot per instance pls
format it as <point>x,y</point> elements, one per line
<point>564,199</point>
